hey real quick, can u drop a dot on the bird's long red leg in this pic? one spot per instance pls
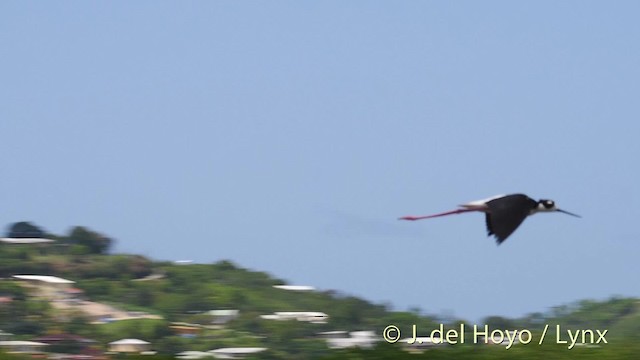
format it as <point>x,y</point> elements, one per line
<point>457,211</point>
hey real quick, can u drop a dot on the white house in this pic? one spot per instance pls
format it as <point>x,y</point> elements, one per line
<point>129,346</point>
<point>48,286</point>
<point>44,279</point>
<point>194,355</point>
<point>27,347</point>
<point>294,287</point>
<point>25,240</point>
<point>361,339</point>
<point>313,317</point>
<point>235,353</point>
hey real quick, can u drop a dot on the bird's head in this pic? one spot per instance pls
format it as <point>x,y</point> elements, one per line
<point>545,205</point>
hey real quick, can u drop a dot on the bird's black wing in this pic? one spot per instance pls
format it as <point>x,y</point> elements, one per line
<point>506,214</point>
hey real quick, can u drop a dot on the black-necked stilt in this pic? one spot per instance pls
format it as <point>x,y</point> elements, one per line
<point>504,213</point>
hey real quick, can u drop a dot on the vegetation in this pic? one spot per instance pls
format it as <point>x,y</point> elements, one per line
<point>617,351</point>
<point>185,293</point>
<point>24,229</point>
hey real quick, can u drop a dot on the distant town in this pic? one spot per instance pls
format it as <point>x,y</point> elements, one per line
<point>68,297</point>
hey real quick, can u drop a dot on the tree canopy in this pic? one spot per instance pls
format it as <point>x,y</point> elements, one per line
<point>24,229</point>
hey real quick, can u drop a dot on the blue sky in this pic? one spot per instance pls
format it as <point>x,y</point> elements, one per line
<point>288,136</point>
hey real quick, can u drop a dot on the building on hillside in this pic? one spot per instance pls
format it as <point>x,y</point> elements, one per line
<point>27,241</point>
<point>51,287</point>
<point>223,316</point>
<point>151,277</point>
<point>295,287</point>
<point>23,347</point>
<point>235,353</point>
<point>45,279</point>
<point>194,355</point>
<point>129,346</point>
<point>65,343</point>
<point>313,317</point>
<point>361,339</point>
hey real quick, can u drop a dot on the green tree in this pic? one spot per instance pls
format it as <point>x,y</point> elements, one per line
<point>24,229</point>
<point>94,242</point>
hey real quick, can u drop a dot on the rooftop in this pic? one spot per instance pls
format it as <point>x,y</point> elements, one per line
<point>25,240</point>
<point>44,278</point>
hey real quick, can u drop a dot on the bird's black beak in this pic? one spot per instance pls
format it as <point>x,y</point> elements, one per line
<point>568,213</point>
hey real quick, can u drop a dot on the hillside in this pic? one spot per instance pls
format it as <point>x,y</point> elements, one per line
<point>118,296</point>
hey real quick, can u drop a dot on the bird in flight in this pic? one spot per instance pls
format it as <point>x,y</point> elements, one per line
<point>503,213</point>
